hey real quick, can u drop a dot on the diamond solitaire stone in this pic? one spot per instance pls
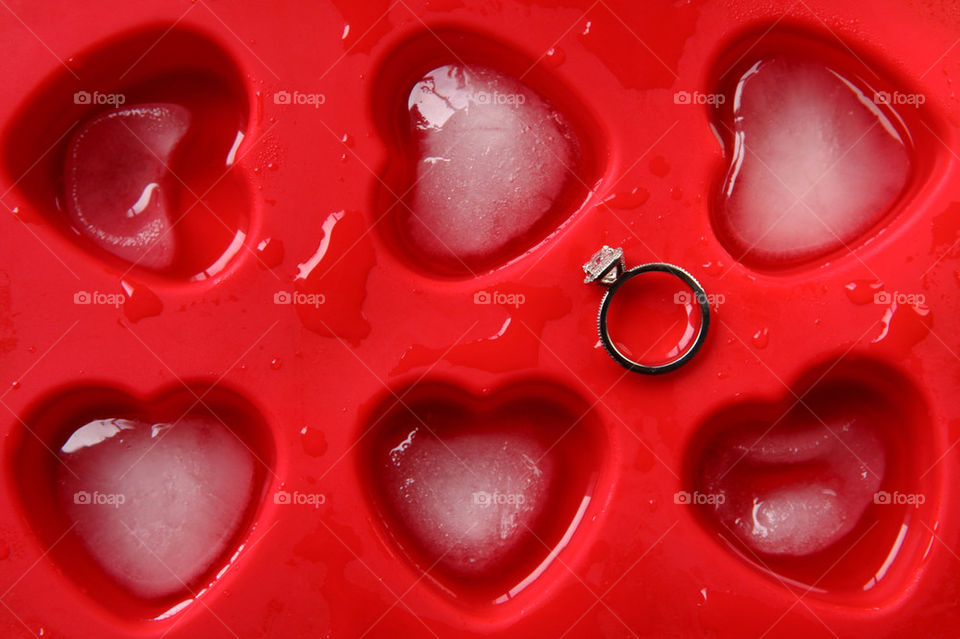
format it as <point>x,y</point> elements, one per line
<point>605,266</point>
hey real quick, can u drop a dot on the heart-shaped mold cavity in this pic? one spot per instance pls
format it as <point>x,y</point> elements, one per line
<point>488,152</point>
<point>819,150</point>
<point>797,486</point>
<point>149,497</point>
<point>482,492</point>
<point>141,168</point>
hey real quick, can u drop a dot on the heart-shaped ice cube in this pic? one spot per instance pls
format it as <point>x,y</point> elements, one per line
<point>816,161</point>
<point>155,504</point>
<point>469,498</point>
<point>480,492</point>
<point>117,181</point>
<point>795,490</point>
<point>493,158</point>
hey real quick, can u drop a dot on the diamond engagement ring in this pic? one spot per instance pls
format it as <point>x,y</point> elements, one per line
<point>607,268</point>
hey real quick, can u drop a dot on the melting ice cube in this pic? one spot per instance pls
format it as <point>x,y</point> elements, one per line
<point>492,159</point>
<point>815,161</point>
<point>155,504</point>
<point>117,181</point>
<point>468,498</point>
<point>796,491</point>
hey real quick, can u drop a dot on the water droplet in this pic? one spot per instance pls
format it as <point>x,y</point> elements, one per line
<point>554,57</point>
<point>903,326</point>
<point>334,278</point>
<point>276,363</point>
<point>761,338</point>
<point>270,253</point>
<point>659,166</point>
<point>505,347</point>
<point>713,268</point>
<point>140,302</point>
<point>946,231</point>
<point>313,441</point>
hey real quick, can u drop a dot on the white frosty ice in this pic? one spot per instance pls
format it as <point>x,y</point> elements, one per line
<point>155,504</point>
<point>815,161</point>
<point>468,498</point>
<point>493,157</point>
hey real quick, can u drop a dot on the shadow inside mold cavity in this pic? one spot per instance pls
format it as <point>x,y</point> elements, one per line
<point>830,491</point>
<point>138,115</point>
<point>102,471</point>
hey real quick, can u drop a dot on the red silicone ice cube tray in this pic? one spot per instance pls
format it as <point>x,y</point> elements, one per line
<point>300,313</point>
